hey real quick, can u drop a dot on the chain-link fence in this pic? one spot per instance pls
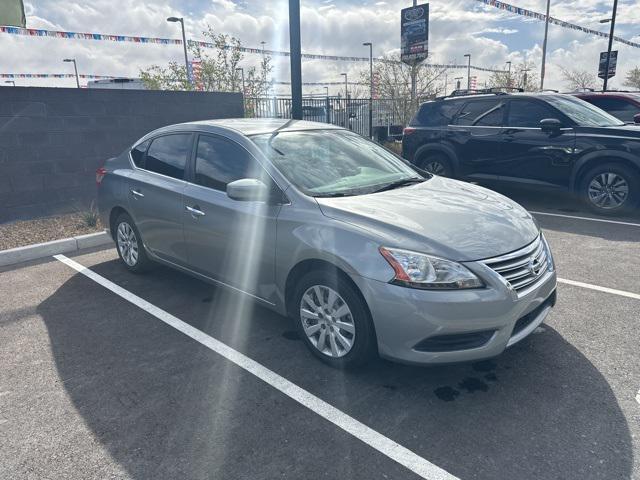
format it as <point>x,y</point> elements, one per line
<point>389,116</point>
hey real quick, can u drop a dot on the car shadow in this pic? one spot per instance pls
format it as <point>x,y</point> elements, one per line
<point>165,406</point>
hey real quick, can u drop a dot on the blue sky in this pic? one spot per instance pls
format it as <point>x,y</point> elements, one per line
<point>331,27</point>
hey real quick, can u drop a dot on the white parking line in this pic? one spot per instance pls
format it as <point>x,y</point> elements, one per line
<point>384,445</point>
<point>586,218</point>
<point>590,286</point>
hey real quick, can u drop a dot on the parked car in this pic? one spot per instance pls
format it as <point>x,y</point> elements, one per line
<point>625,106</point>
<point>364,253</point>
<point>541,140</point>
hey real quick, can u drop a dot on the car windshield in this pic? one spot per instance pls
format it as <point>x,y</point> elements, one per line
<point>583,113</point>
<point>334,162</point>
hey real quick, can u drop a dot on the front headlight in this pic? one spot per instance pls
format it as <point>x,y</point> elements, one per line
<point>417,270</point>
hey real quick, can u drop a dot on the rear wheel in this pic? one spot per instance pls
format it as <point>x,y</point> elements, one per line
<point>610,188</point>
<point>436,163</point>
<point>129,245</point>
<point>333,320</point>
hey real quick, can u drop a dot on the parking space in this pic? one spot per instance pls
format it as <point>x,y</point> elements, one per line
<point>98,387</point>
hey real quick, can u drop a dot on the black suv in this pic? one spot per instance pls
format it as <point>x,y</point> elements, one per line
<point>545,140</point>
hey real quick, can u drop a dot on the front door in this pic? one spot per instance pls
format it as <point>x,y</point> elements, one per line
<point>155,195</point>
<point>228,240</point>
<point>531,155</point>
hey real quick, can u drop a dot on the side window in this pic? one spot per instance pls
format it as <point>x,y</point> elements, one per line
<point>220,161</point>
<point>525,113</point>
<point>437,114</point>
<point>487,113</point>
<point>168,155</point>
<point>137,153</point>
<point>619,108</point>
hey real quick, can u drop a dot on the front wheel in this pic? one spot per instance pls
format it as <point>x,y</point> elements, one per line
<point>333,320</point>
<point>610,188</point>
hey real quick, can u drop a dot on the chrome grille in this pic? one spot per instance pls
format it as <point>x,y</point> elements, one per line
<point>522,269</point>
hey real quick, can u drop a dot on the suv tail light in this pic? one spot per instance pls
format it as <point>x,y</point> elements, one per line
<point>100,173</point>
<point>408,131</point>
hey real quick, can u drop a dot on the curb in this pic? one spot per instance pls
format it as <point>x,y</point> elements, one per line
<point>47,249</point>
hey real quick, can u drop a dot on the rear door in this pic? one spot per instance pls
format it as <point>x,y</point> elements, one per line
<point>155,194</point>
<point>228,240</point>
<point>531,155</point>
<point>476,135</point>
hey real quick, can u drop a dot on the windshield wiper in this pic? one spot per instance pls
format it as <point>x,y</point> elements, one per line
<point>399,183</point>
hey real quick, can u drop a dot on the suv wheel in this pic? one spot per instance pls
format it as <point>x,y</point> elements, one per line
<point>610,188</point>
<point>333,320</point>
<point>129,245</point>
<point>436,163</point>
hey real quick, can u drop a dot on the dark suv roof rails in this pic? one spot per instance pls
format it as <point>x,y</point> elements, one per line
<point>551,90</point>
<point>483,91</point>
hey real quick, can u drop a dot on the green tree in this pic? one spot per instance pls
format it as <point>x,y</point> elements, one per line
<point>218,69</point>
<point>633,78</point>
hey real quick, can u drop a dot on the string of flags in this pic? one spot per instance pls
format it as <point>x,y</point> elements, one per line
<point>54,75</point>
<point>540,16</point>
<point>37,32</point>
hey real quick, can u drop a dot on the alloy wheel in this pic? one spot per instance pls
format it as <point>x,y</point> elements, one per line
<point>435,167</point>
<point>127,244</point>
<point>327,321</point>
<point>608,190</point>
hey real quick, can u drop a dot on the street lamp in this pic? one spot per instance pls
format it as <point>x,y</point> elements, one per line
<point>508,62</point>
<point>370,45</point>
<point>544,46</point>
<point>346,91</point>
<point>241,70</point>
<point>10,81</point>
<point>184,44</point>
<point>75,68</point>
<point>468,71</point>
<point>613,26</point>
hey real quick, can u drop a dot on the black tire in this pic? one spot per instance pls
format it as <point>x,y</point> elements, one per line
<point>589,195</point>
<point>142,262</point>
<point>364,346</point>
<point>436,163</point>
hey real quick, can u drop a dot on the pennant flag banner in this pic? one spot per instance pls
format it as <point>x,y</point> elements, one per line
<point>53,75</point>
<point>539,16</point>
<point>35,32</point>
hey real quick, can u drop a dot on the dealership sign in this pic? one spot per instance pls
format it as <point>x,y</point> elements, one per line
<point>414,34</point>
<point>612,64</point>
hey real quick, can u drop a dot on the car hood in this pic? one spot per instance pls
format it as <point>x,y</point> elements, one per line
<point>440,216</point>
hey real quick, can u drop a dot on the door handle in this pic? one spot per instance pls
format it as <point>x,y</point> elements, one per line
<point>137,193</point>
<point>195,211</point>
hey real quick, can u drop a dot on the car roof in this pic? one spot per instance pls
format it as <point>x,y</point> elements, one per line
<point>480,96</point>
<point>610,93</point>
<point>255,126</point>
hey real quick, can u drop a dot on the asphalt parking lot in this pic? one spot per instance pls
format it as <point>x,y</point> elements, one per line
<point>93,386</point>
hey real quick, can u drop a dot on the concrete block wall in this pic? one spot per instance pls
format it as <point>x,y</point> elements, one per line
<point>52,140</point>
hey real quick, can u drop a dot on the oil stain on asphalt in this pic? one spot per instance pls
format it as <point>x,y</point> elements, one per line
<point>470,384</point>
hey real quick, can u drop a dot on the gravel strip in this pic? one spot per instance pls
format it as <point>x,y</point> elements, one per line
<point>28,232</point>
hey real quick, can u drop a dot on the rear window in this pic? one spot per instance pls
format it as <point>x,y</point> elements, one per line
<point>435,114</point>
<point>167,155</point>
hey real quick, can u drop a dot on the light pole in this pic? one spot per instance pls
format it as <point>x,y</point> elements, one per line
<point>346,88</point>
<point>468,55</point>
<point>524,77</point>
<point>326,90</point>
<point>75,68</point>
<point>508,62</point>
<point>10,81</point>
<point>295,59</point>
<point>241,70</point>
<point>544,46</point>
<point>613,26</point>
<point>370,45</point>
<point>184,45</point>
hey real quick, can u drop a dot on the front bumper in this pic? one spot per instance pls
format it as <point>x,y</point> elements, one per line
<point>430,327</point>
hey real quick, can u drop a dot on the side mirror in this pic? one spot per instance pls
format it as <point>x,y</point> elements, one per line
<point>636,118</point>
<point>248,190</point>
<point>550,125</point>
